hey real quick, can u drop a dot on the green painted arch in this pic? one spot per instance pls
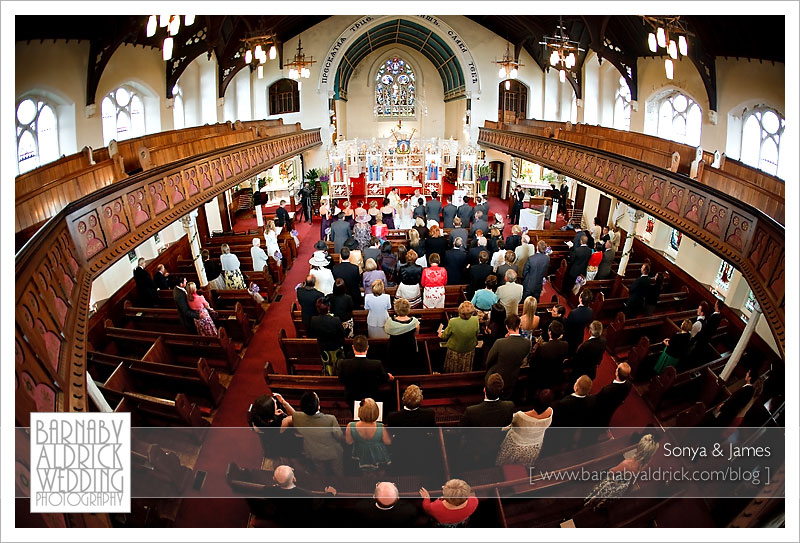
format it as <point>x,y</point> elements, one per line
<point>412,35</point>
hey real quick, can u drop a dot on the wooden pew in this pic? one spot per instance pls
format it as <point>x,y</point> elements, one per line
<point>429,320</point>
<point>235,322</point>
<point>156,378</point>
<point>264,279</point>
<point>604,309</point>
<point>222,299</point>
<point>151,410</point>
<point>218,350</point>
<point>303,356</point>
<point>621,333</point>
<point>669,384</point>
<point>329,389</point>
<point>669,399</point>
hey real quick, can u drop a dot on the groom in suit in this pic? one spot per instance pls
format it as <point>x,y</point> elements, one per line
<point>185,314</point>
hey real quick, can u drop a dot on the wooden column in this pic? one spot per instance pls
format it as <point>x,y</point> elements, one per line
<point>202,225</point>
<point>224,214</point>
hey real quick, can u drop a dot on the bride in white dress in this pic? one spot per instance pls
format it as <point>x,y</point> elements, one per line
<point>523,442</point>
<point>404,215</point>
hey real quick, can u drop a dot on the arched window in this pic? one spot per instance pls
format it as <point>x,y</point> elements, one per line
<point>761,138</point>
<point>178,119</point>
<point>284,97</point>
<point>679,119</point>
<point>37,134</point>
<point>724,274</point>
<point>622,106</point>
<point>123,115</point>
<point>512,100</point>
<point>395,89</point>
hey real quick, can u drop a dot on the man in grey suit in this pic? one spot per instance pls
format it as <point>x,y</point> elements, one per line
<point>459,231</point>
<point>604,269</point>
<point>480,223</point>
<point>482,205</point>
<point>185,314</point>
<point>449,213</point>
<point>534,272</point>
<point>464,212</point>
<point>433,208</point>
<point>322,436</point>
<point>340,232</point>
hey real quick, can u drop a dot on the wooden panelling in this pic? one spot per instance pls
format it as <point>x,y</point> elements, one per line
<point>727,225</point>
<point>55,269</point>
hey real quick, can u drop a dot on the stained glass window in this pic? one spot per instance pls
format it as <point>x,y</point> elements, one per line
<point>622,106</point>
<point>123,115</point>
<point>675,239</point>
<point>648,229</point>
<point>679,119</point>
<point>750,303</point>
<point>37,134</point>
<point>724,274</point>
<point>761,139</point>
<point>395,89</point>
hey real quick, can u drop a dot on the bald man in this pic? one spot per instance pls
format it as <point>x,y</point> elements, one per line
<point>387,509</point>
<point>290,512</point>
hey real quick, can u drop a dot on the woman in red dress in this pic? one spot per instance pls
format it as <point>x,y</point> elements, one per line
<point>454,507</point>
<point>434,279</point>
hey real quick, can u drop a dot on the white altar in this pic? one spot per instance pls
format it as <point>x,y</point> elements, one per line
<point>531,219</point>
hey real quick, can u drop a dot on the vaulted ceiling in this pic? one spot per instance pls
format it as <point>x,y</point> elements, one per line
<point>619,39</point>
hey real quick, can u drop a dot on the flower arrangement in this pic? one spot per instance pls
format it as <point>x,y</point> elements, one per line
<point>254,289</point>
<point>548,251</point>
<point>580,280</point>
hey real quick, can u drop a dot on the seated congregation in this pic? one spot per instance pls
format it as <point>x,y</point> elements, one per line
<point>439,355</point>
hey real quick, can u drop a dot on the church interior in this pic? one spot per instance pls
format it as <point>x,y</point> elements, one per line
<point>153,150</point>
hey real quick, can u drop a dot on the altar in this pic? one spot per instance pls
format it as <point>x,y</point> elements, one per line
<point>531,219</point>
<point>372,168</point>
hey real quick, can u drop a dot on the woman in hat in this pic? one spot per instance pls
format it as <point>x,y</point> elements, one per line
<point>323,275</point>
<point>361,231</point>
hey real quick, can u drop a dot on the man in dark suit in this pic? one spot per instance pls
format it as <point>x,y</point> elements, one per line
<point>734,405</point>
<point>534,272</point>
<point>474,253</point>
<point>713,321</point>
<point>604,268</point>
<point>482,441</point>
<point>185,314</point>
<point>340,232</point>
<point>519,203</point>
<point>464,212</point>
<point>145,286</point>
<point>480,223</point>
<point>360,375</point>
<point>160,277</point>
<point>637,293</point>
<point>419,211</point>
<point>387,510</point>
<point>307,297</point>
<point>492,411</point>
<point>348,272</point>
<point>577,320</point>
<point>589,354</point>
<point>413,441</point>
<point>433,207</point>
<point>575,410</point>
<point>281,215</point>
<point>507,356</point>
<point>547,362</point>
<point>478,274</point>
<point>449,213</point>
<point>613,395</point>
<point>459,231</point>
<point>484,206</point>
<point>578,263</point>
<point>455,261</point>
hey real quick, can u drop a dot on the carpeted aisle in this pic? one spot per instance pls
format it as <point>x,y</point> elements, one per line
<point>242,446</point>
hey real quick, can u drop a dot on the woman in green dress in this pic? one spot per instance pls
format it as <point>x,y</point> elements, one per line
<point>676,348</point>
<point>369,438</point>
<point>462,338</point>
